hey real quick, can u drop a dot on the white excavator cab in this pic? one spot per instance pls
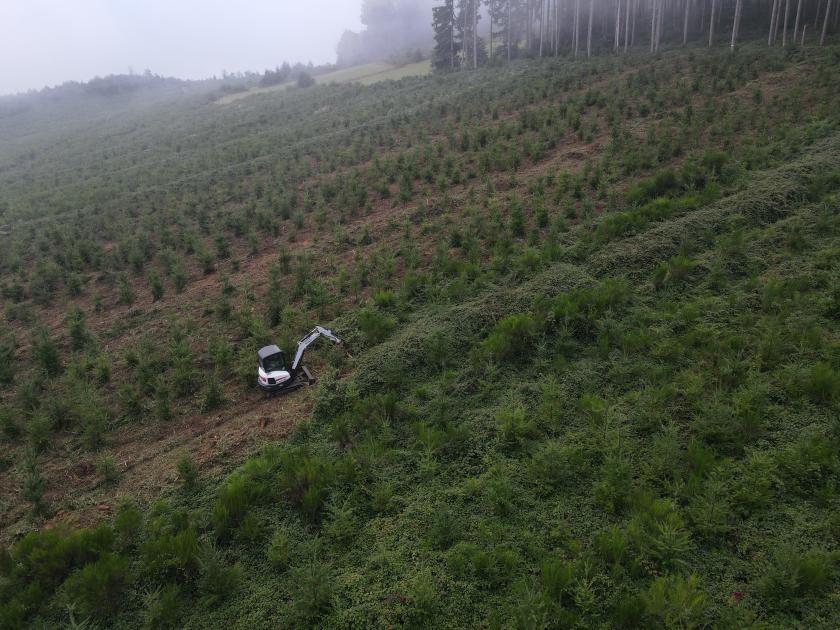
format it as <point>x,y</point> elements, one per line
<point>272,373</point>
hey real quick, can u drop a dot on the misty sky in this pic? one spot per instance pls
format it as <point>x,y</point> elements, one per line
<point>46,42</point>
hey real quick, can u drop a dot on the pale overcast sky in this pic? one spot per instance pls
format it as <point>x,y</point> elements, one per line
<point>46,42</point>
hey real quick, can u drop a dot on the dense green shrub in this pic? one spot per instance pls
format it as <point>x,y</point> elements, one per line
<point>514,428</point>
<point>179,277</point>
<point>374,326</point>
<point>131,400</point>
<point>424,601</point>
<point>611,545</point>
<point>822,383</point>
<point>156,287</point>
<point>42,560</point>
<point>755,483</point>
<point>250,529</point>
<point>8,359</point>
<point>444,529</point>
<point>171,554</point>
<point>163,608</point>
<point>128,523</point>
<point>94,420</point>
<point>106,468</point>
<point>512,338</point>
<point>279,550</point>
<point>77,329</point>
<point>305,80</point>
<point>33,485</point>
<point>629,611</point>
<point>673,272</point>
<point>556,578</point>
<point>676,602</point>
<point>306,480</point>
<point>46,353</point>
<point>313,593</point>
<point>39,432</point>
<point>382,497</point>
<point>183,375</point>
<point>10,426</point>
<point>234,500</point>
<point>554,465</point>
<point>163,403</point>
<point>792,575</point>
<point>661,184</point>
<point>580,311</point>
<point>658,532</point>
<point>709,511</point>
<point>217,581</point>
<point>125,292</point>
<point>619,224</point>
<point>384,299</point>
<point>810,462</point>
<point>823,184</point>
<point>214,396</point>
<point>96,589</point>
<point>187,472</point>
<point>612,490</point>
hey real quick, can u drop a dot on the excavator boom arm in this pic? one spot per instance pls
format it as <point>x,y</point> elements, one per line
<point>307,340</point>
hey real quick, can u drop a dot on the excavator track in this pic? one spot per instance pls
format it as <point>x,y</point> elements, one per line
<point>303,378</point>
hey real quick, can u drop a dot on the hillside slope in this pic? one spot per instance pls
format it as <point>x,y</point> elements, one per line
<point>593,314</point>
<point>365,74</point>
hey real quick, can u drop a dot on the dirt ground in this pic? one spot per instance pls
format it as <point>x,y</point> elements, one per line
<point>146,456</point>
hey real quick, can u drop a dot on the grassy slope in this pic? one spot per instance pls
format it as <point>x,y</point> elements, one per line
<point>657,444</point>
<point>608,417</point>
<point>365,74</point>
<point>419,69</point>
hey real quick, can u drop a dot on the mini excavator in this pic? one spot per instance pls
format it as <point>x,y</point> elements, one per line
<point>275,377</point>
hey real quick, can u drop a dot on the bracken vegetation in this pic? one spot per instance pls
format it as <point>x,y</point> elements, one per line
<point>595,376</point>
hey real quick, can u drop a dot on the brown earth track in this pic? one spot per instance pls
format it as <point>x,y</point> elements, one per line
<point>146,456</point>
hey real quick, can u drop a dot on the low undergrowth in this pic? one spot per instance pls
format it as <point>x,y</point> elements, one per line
<point>655,451</point>
<point>583,405</point>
